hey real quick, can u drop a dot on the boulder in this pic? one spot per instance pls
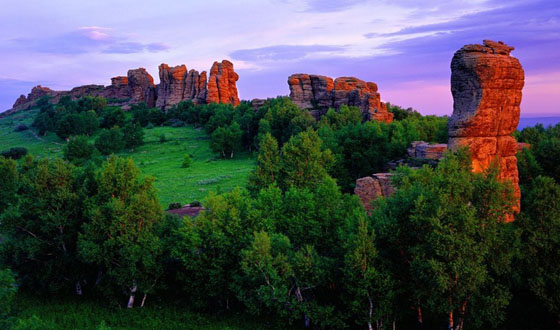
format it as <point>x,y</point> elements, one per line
<point>370,188</point>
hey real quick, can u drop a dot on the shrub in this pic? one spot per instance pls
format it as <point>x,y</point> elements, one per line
<point>174,206</point>
<point>162,138</point>
<point>175,122</point>
<point>187,161</point>
<point>133,135</point>
<point>195,204</point>
<point>110,141</point>
<point>78,149</point>
<point>15,153</point>
<point>21,128</point>
<point>149,126</point>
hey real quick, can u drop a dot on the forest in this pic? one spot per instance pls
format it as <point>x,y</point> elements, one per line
<point>291,247</point>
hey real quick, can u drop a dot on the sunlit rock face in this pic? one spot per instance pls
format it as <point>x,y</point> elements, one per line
<point>319,93</point>
<point>370,188</point>
<point>176,84</point>
<point>222,84</point>
<point>486,83</point>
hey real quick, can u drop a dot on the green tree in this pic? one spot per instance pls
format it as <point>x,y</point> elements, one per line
<point>110,141</point>
<point>133,135</point>
<point>226,140</point>
<point>187,161</point>
<point>268,164</point>
<point>120,236</point>
<point>78,149</point>
<point>303,162</point>
<point>40,230</point>
<point>7,292</point>
<point>540,226</point>
<point>443,238</point>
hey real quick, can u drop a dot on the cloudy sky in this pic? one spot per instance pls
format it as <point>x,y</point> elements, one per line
<point>403,45</point>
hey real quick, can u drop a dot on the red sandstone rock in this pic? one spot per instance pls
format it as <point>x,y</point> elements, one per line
<point>486,84</point>
<point>321,93</point>
<point>171,88</point>
<point>20,101</point>
<point>421,149</point>
<point>142,88</point>
<point>523,145</point>
<point>222,84</point>
<point>372,187</point>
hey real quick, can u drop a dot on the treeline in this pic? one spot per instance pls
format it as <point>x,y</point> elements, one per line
<point>294,248</point>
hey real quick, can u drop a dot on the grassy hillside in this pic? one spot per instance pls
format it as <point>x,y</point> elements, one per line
<point>161,157</point>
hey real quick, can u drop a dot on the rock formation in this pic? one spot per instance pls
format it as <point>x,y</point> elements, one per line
<point>319,93</point>
<point>372,187</point>
<point>486,84</point>
<point>222,84</point>
<point>176,84</point>
<point>141,87</point>
<point>421,149</point>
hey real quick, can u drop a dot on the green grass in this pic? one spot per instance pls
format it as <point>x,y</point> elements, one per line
<point>75,314</point>
<point>161,160</point>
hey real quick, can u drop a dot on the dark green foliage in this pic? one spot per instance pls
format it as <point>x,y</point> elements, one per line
<point>7,292</point>
<point>120,236</point>
<point>442,238</point>
<point>400,113</point>
<point>174,205</point>
<point>21,128</point>
<point>78,149</point>
<point>542,157</point>
<point>14,153</point>
<point>133,135</point>
<point>88,103</point>
<point>226,140</point>
<point>83,123</point>
<point>540,226</point>
<point>285,119</point>
<point>40,226</point>
<point>110,141</point>
<point>112,116</point>
<point>267,170</point>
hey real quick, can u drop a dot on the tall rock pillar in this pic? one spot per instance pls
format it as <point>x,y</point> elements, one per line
<point>486,84</point>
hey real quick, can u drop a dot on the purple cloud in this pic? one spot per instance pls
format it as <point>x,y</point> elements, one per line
<point>281,52</point>
<point>86,40</point>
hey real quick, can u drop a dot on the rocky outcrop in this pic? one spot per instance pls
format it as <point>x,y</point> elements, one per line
<point>486,84</point>
<point>171,88</point>
<point>141,87</point>
<point>319,93</point>
<point>176,84</point>
<point>421,149</point>
<point>222,84</point>
<point>370,188</point>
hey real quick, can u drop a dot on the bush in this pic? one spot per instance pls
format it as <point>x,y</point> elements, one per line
<point>15,153</point>
<point>162,138</point>
<point>149,126</point>
<point>175,122</point>
<point>21,128</point>
<point>133,135</point>
<point>7,292</point>
<point>110,141</point>
<point>195,204</point>
<point>78,149</point>
<point>174,206</point>
<point>187,161</point>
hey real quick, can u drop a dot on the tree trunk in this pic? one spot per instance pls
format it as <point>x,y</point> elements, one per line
<point>419,312</point>
<point>131,298</point>
<point>450,320</point>
<point>78,288</point>
<point>370,327</point>
<point>143,300</point>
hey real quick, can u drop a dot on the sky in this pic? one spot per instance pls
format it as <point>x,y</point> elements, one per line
<point>405,46</point>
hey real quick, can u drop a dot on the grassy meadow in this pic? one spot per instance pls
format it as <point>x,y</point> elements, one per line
<point>161,157</point>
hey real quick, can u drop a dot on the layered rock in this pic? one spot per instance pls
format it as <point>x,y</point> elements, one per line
<point>141,87</point>
<point>421,149</point>
<point>486,83</point>
<point>176,84</point>
<point>319,93</point>
<point>222,84</point>
<point>370,188</point>
<point>171,88</point>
